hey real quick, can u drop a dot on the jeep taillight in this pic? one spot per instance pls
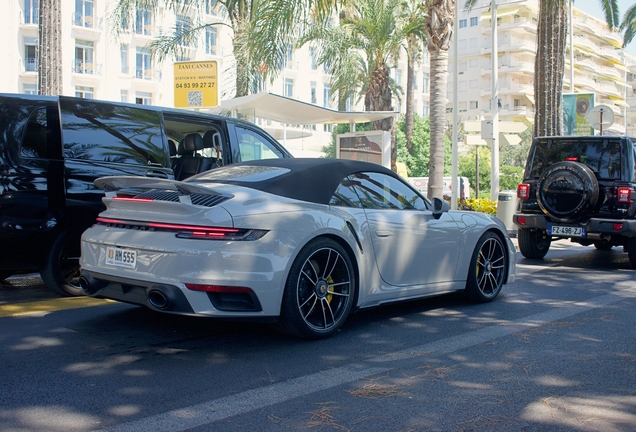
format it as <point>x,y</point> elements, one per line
<point>624,195</point>
<point>523,191</point>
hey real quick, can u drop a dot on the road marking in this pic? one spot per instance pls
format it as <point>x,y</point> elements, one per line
<point>47,306</point>
<point>219,409</point>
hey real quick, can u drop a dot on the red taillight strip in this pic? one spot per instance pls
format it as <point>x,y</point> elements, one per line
<point>167,226</point>
<point>218,288</point>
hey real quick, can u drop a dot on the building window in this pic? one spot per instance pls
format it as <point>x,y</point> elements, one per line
<point>472,84</point>
<point>398,77</point>
<point>123,52</point>
<point>288,91</point>
<point>210,40</point>
<point>84,57</point>
<point>143,22</point>
<point>425,111</point>
<point>142,64</point>
<point>474,104</point>
<point>84,92</point>
<point>123,95</point>
<point>313,92</point>
<point>30,89</point>
<point>30,55</point>
<point>463,66</point>
<point>31,8</point>
<point>473,42</point>
<point>314,60</point>
<point>462,23</point>
<point>143,98</point>
<point>182,28</point>
<point>425,82</point>
<point>83,13</point>
<point>414,80</point>
<point>474,21</point>
<point>289,57</point>
<point>210,7</point>
<point>462,106</point>
<point>326,95</point>
<point>473,63</point>
<point>462,44</point>
<point>462,86</point>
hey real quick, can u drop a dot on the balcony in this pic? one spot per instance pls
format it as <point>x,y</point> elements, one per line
<point>148,74</point>
<point>86,68</point>
<point>86,21</point>
<point>31,65</point>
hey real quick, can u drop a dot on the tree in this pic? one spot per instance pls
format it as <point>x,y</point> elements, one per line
<point>439,30</point>
<point>50,48</point>
<point>358,53</point>
<point>262,31</point>
<point>628,26</point>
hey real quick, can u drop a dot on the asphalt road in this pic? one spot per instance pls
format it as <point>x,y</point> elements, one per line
<point>555,352</point>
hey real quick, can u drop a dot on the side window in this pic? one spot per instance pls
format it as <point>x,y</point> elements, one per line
<point>104,132</point>
<point>254,146</point>
<point>34,143</point>
<point>379,191</point>
<point>345,195</point>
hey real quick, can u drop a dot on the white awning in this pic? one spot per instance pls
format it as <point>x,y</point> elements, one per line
<point>500,13</point>
<point>291,111</point>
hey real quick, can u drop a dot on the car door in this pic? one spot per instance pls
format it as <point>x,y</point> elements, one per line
<point>411,245</point>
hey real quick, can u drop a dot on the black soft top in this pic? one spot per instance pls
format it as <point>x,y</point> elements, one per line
<point>306,179</point>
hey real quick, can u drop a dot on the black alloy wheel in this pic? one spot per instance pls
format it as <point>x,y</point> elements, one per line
<point>487,271</point>
<point>319,292</point>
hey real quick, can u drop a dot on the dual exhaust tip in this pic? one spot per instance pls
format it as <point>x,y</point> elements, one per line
<point>158,297</point>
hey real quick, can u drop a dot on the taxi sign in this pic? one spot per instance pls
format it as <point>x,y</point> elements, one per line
<point>196,84</point>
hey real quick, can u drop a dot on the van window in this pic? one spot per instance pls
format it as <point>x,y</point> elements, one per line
<point>254,146</point>
<point>34,143</point>
<point>99,131</point>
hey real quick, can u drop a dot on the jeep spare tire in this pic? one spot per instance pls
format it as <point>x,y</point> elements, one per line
<point>567,190</point>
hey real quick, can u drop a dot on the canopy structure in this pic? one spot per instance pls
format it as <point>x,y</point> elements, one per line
<point>290,111</point>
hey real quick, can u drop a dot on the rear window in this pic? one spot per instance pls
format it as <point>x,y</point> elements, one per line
<point>603,157</point>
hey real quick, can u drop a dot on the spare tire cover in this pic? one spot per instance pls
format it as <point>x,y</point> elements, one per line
<point>567,190</point>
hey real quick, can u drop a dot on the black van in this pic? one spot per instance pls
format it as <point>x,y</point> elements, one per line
<point>53,148</point>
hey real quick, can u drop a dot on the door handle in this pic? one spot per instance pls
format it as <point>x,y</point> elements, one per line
<point>384,233</point>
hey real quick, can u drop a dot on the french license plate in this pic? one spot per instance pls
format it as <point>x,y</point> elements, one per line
<point>566,231</point>
<point>121,257</point>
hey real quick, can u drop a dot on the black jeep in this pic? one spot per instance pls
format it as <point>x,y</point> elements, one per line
<point>581,188</point>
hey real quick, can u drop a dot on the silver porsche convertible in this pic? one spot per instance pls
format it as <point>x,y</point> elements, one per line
<point>297,242</point>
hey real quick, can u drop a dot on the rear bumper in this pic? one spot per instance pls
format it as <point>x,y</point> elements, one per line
<point>615,227</point>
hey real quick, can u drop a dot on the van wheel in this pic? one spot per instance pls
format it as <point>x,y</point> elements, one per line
<point>62,270</point>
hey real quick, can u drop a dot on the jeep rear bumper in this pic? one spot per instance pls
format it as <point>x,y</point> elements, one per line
<point>616,227</point>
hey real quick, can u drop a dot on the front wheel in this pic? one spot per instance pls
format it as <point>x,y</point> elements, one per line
<point>61,270</point>
<point>319,292</point>
<point>533,243</point>
<point>487,271</point>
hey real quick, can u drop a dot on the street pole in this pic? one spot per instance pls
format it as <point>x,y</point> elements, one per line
<point>454,168</point>
<point>494,165</point>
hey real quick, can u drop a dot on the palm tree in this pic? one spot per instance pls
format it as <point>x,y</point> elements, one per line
<point>50,48</point>
<point>439,29</point>
<point>628,26</point>
<point>359,51</point>
<point>261,31</point>
<point>415,16</point>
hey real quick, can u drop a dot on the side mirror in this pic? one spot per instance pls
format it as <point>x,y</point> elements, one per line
<point>439,206</point>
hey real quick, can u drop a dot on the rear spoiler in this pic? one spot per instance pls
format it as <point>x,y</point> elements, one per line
<point>112,184</point>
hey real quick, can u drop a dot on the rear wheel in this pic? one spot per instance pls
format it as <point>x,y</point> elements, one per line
<point>319,291</point>
<point>487,271</point>
<point>62,270</point>
<point>533,243</point>
<point>631,251</point>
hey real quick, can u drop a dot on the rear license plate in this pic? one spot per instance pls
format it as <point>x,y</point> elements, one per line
<point>566,231</point>
<point>121,257</point>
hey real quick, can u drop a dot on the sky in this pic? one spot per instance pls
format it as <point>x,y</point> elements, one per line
<point>593,7</point>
